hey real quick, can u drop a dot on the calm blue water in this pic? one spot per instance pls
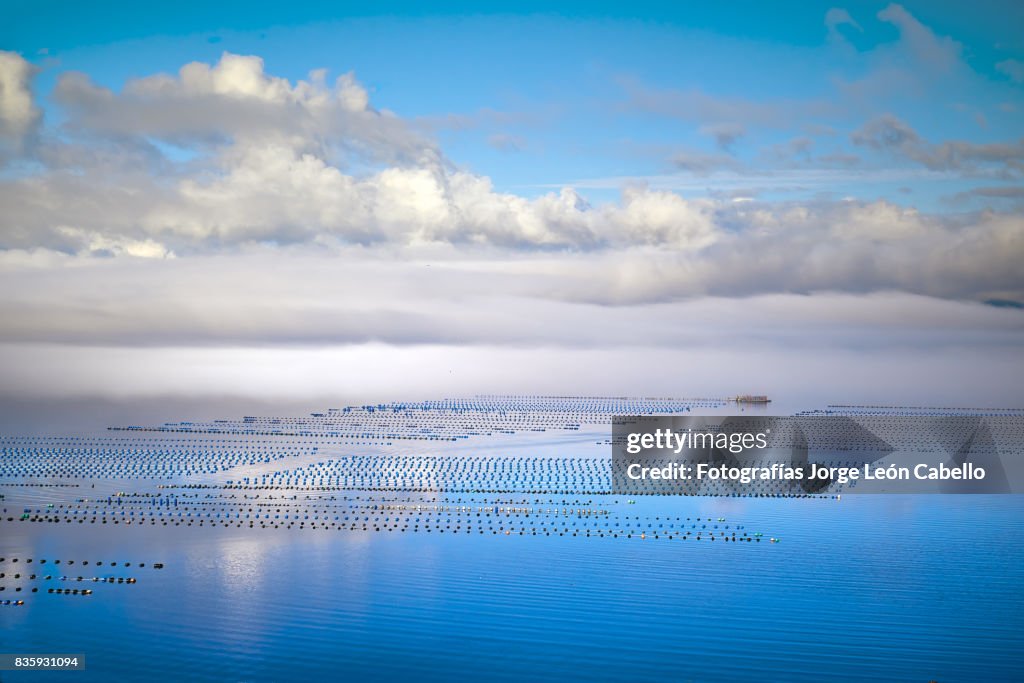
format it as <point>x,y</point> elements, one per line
<point>895,588</point>
<point>870,587</point>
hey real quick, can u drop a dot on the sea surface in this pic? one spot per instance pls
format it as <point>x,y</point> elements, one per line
<point>859,587</point>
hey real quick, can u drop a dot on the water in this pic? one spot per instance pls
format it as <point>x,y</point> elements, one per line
<point>894,588</point>
<point>898,588</point>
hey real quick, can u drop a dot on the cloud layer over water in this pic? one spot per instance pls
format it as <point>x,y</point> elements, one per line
<point>313,163</point>
<point>223,207</point>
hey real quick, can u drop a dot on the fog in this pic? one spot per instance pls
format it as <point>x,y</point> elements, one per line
<point>97,386</point>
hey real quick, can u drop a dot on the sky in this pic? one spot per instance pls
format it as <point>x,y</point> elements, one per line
<point>330,200</point>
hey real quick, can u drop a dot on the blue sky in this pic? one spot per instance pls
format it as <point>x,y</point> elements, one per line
<point>547,99</point>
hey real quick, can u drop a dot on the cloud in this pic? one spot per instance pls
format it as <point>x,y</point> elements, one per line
<point>276,194</point>
<point>266,174</point>
<point>301,215</point>
<point>432,295</point>
<point>702,164</point>
<point>1003,192</point>
<point>431,322</point>
<point>724,134</point>
<point>1010,194</point>
<point>887,132</point>
<point>835,18</point>
<point>792,152</point>
<point>236,101</point>
<point>92,243</point>
<point>857,85</point>
<point>321,377</point>
<point>919,65</point>
<point>665,251</point>
<point>890,134</point>
<point>506,142</point>
<point>1013,69</point>
<point>698,106</point>
<point>19,114</point>
<point>941,53</point>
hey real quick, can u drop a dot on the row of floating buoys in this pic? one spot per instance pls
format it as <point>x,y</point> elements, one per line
<point>430,419</point>
<point>115,463</point>
<point>193,457</point>
<point>104,579</point>
<point>441,518</point>
<point>98,563</point>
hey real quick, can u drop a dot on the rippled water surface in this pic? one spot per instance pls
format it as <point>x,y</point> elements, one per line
<point>900,588</point>
<point>893,588</point>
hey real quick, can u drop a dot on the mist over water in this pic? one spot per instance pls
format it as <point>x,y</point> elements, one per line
<point>54,388</point>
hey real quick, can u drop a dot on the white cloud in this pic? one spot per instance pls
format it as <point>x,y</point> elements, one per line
<point>732,292</point>
<point>276,193</point>
<point>18,112</point>
<point>305,216</point>
<point>265,175</point>
<point>236,101</point>
<point>243,77</point>
<point>93,243</point>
